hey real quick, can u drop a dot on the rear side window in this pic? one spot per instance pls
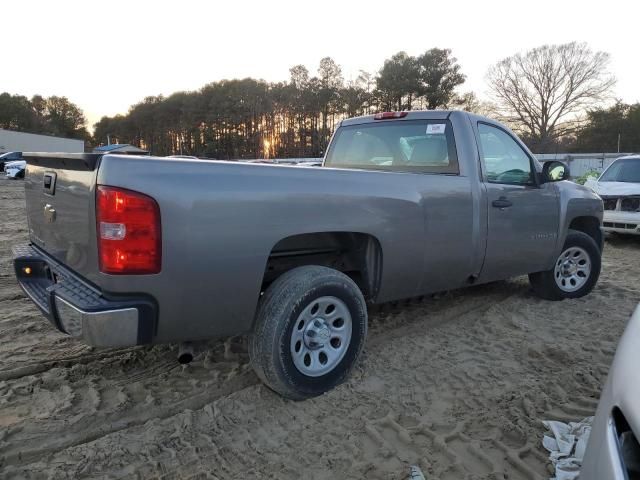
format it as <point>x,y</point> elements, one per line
<point>418,146</point>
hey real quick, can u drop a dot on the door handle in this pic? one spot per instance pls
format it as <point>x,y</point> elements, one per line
<point>502,202</point>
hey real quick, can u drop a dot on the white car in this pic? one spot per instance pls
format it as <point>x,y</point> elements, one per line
<point>15,169</point>
<point>613,452</point>
<point>9,157</point>
<point>619,187</point>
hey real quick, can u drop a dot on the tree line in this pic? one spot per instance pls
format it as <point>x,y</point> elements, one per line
<point>553,96</point>
<point>48,116</point>
<point>613,129</point>
<point>252,118</point>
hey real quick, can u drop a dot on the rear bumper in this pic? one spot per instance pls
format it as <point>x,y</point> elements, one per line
<point>79,309</point>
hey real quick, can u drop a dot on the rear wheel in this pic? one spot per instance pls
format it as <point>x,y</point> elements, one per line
<point>575,272</point>
<point>309,332</point>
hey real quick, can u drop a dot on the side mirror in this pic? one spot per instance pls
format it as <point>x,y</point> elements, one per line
<point>554,172</point>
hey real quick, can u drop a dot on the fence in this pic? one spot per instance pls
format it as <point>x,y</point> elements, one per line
<point>581,163</point>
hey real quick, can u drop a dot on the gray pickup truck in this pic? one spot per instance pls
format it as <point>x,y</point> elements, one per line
<point>128,250</point>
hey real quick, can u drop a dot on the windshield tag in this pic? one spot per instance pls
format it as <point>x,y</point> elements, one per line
<point>435,128</point>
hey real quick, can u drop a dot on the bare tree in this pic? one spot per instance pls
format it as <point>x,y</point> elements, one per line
<point>542,92</point>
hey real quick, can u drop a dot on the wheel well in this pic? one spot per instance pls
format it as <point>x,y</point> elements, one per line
<point>590,226</point>
<point>358,255</point>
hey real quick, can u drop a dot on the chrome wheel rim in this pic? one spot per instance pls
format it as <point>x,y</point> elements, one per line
<point>321,336</point>
<point>572,269</point>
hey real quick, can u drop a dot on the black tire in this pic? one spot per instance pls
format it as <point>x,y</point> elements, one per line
<point>544,283</point>
<point>282,303</point>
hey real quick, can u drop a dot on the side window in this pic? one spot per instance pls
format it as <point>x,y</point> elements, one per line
<point>504,160</point>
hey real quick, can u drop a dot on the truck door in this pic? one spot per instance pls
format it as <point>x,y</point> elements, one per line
<point>523,217</point>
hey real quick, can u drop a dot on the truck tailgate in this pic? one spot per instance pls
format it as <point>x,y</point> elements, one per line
<point>60,201</point>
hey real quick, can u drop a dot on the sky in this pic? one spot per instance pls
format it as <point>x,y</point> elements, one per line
<point>106,56</point>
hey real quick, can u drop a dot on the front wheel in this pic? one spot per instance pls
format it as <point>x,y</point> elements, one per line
<point>575,271</point>
<point>309,331</point>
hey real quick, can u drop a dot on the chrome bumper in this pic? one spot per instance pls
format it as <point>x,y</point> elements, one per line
<point>621,222</point>
<point>79,309</point>
<point>107,328</point>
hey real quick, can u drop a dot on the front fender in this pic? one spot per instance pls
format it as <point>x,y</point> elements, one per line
<point>575,201</point>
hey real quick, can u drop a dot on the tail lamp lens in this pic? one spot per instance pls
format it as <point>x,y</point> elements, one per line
<point>129,234</point>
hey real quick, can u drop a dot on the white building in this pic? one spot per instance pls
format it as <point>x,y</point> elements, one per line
<point>11,141</point>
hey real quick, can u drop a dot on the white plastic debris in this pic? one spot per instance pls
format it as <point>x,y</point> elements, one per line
<point>415,473</point>
<point>566,446</point>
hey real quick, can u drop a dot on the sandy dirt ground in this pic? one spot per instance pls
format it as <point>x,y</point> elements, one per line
<point>457,384</point>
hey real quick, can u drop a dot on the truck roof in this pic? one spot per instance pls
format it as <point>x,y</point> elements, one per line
<point>410,115</point>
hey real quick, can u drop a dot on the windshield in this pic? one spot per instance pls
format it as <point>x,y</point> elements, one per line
<point>625,170</point>
<point>404,146</point>
<point>11,156</point>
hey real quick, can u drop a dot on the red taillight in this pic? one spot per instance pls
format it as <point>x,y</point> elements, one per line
<point>129,235</point>
<point>389,115</point>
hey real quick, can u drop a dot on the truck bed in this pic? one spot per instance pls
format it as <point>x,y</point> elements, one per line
<point>222,220</point>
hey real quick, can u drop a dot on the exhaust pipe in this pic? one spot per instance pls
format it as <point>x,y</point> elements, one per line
<point>185,353</point>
